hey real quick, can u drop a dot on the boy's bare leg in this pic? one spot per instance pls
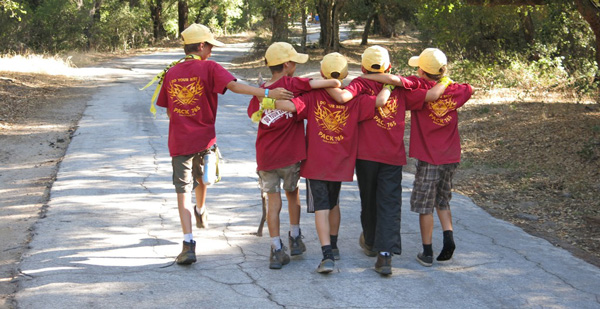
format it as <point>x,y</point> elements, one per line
<point>293,206</point>
<point>445,219</point>
<point>426,225</point>
<point>334,220</point>
<point>200,194</point>
<point>185,211</point>
<point>273,210</point>
<point>201,213</point>
<point>322,224</point>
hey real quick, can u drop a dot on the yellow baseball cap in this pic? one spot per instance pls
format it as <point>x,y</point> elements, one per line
<point>431,61</point>
<point>197,33</point>
<point>334,63</point>
<point>282,52</point>
<point>376,59</point>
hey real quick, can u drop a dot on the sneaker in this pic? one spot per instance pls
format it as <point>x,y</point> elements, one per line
<point>336,254</point>
<point>424,260</point>
<point>384,264</point>
<point>188,253</point>
<point>368,250</point>
<point>446,253</point>
<point>201,220</point>
<point>296,244</point>
<point>326,266</point>
<point>278,258</point>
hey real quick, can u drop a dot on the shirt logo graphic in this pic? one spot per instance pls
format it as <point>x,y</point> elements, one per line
<point>272,115</point>
<point>185,95</point>
<point>332,122</point>
<point>440,109</point>
<point>386,116</point>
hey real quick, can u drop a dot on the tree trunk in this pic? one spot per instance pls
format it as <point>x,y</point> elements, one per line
<point>527,26</point>
<point>591,13</point>
<point>329,11</point>
<point>304,30</point>
<point>156,15</point>
<point>365,35</point>
<point>387,30</point>
<point>279,26</point>
<point>182,14</point>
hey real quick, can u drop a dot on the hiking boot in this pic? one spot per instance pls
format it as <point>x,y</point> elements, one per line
<point>326,266</point>
<point>425,260</point>
<point>201,220</point>
<point>278,258</point>
<point>336,254</point>
<point>296,244</point>
<point>368,250</point>
<point>384,264</point>
<point>188,253</point>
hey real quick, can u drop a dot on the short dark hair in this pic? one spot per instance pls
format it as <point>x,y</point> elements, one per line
<point>191,48</point>
<point>275,68</point>
<point>436,77</point>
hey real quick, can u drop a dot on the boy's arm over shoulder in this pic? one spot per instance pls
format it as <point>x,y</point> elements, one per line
<point>325,83</point>
<point>278,93</point>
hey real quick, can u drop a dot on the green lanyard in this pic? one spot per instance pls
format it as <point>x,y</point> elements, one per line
<point>160,77</point>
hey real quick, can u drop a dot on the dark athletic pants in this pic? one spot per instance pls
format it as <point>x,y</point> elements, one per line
<point>380,187</point>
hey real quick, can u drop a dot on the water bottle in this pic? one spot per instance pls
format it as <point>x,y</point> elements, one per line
<point>210,168</point>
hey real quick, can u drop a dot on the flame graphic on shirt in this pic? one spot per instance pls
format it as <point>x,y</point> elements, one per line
<point>441,107</point>
<point>389,109</point>
<point>331,121</point>
<point>185,95</point>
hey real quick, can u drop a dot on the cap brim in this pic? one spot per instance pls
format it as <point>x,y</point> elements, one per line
<point>214,42</point>
<point>300,58</point>
<point>413,61</point>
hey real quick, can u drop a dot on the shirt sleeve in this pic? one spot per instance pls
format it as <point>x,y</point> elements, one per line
<point>221,77</point>
<point>300,103</point>
<point>355,87</point>
<point>162,97</point>
<point>300,85</point>
<point>414,99</point>
<point>366,107</point>
<point>253,106</point>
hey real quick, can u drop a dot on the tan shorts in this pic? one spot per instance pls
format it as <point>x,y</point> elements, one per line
<point>187,170</point>
<point>270,181</point>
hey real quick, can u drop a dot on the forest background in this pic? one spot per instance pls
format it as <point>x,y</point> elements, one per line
<point>531,146</point>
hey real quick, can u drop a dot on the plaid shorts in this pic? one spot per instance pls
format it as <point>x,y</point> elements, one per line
<point>432,187</point>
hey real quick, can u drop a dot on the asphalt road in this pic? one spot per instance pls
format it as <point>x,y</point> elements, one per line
<point>112,230</point>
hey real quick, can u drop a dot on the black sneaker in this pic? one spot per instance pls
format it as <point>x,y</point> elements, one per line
<point>326,266</point>
<point>368,250</point>
<point>188,253</point>
<point>278,258</point>
<point>296,244</point>
<point>336,254</point>
<point>384,264</point>
<point>424,260</point>
<point>201,220</point>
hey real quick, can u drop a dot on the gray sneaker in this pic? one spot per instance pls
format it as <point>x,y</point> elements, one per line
<point>424,260</point>
<point>201,220</point>
<point>296,244</point>
<point>326,266</point>
<point>278,258</point>
<point>368,250</point>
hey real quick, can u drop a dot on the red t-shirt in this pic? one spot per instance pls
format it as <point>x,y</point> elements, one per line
<point>381,139</point>
<point>189,91</point>
<point>434,134</point>
<point>331,134</point>
<point>280,140</point>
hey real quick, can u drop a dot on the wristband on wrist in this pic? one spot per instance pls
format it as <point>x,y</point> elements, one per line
<point>445,81</point>
<point>268,103</point>
<point>389,86</point>
<point>266,93</point>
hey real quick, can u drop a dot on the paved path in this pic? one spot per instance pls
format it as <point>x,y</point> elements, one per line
<point>112,231</point>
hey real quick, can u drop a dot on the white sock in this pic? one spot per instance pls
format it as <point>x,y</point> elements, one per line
<point>200,211</point>
<point>276,242</point>
<point>188,237</point>
<point>384,253</point>
<point>295,230</point>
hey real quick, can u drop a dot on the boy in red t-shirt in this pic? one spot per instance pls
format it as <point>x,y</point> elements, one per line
<point>332,144</point>
<point>381,156</point>
<point>435,143</point>
<point>190,95</point>
<point>280,146</point>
